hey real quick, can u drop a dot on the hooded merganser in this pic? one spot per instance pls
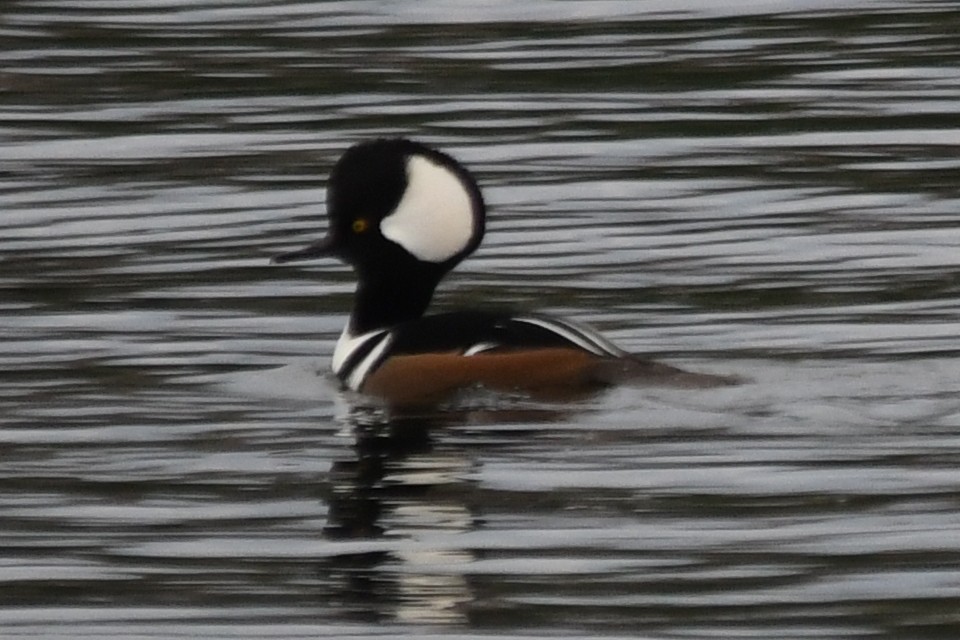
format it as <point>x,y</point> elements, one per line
<point>402,215</point>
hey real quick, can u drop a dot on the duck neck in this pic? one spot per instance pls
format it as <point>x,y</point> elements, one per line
<point>389,299</point>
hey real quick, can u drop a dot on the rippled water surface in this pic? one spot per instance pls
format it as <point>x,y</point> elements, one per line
<point>768,189</point>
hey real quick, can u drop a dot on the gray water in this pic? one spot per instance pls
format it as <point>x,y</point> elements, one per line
<point>767,189</point>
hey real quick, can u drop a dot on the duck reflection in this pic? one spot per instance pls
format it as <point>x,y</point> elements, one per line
<point>388,457</point>
<point>407,486</point>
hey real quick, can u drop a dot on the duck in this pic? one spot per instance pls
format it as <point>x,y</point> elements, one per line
<point>403,214</point>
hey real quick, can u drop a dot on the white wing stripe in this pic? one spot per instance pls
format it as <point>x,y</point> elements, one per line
<point>583,337</point>
<point>480,347</point>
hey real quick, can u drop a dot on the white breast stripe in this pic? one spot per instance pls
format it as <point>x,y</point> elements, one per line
<point>360,371</point>
<point>348,344</point>
<point>584,337</point>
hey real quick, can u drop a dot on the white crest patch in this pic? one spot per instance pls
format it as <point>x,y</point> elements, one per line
<point>434,220</point>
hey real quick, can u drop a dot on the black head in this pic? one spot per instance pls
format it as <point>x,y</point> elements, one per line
<point>395,204</point>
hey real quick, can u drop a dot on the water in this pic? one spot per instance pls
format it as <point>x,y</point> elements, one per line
<point>764,189</point>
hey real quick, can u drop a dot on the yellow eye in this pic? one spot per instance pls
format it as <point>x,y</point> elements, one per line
<point>360,225</point>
